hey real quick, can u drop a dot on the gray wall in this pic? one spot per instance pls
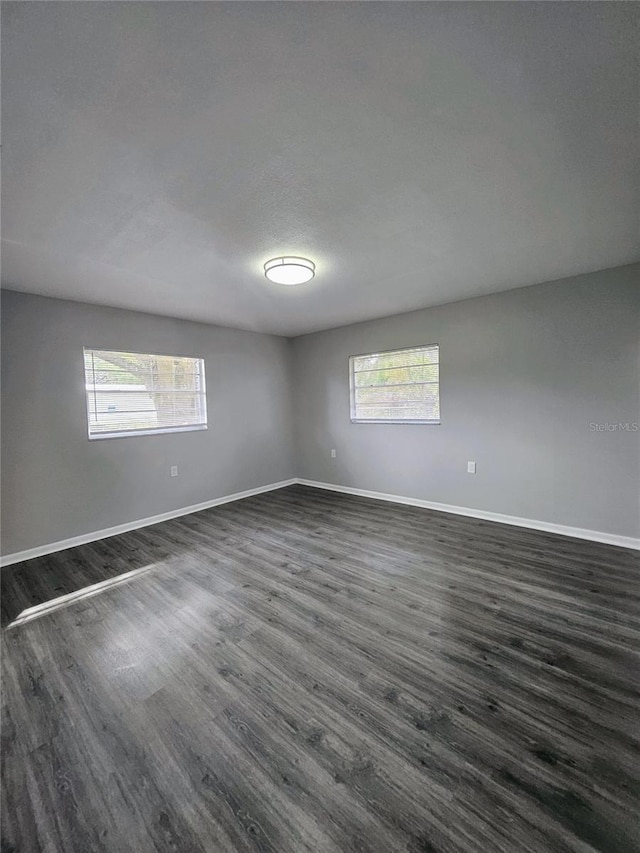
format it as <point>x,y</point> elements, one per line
<point>57,484</point>
<point>523,375</point>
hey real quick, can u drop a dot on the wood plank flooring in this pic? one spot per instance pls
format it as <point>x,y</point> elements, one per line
<point>308,671</point>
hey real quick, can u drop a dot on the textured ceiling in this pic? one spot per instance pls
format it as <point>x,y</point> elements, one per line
<point>156,154</point>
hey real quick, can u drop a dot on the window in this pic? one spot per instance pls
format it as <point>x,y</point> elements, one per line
<point>132,393</point>
<point>399,386</point>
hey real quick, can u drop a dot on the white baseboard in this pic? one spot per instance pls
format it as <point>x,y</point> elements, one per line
<point>42,550</point>
<point>546,526</point>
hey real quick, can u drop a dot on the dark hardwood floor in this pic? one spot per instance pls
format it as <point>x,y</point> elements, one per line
<point>307,671</point>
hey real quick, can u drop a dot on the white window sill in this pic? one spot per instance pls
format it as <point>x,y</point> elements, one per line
<point>389,421</point>
<point>131,433</point>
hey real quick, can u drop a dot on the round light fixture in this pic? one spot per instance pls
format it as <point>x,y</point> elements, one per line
<point>289,270</point>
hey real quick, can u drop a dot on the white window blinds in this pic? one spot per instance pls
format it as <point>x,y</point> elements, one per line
<point>399,386</point>
<point>131,393</point>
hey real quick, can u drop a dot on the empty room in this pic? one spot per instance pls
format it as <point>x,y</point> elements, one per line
<point>320,437</point>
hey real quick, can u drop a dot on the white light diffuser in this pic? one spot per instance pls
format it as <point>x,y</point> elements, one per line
<point>289,270</point>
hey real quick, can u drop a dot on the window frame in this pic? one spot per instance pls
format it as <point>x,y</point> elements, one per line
<point>407,421</point>
<point>202,398</point>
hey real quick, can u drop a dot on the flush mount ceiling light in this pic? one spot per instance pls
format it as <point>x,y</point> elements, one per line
<point>289,270</point>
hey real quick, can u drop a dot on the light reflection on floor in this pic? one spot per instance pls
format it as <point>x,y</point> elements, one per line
<point>54,604</point>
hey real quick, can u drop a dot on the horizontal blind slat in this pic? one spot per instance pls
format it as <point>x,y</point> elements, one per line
<point>395,367</point>
<point>395,358</point>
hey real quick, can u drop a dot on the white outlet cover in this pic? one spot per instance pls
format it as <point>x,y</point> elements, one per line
<point>174,470</point>
<point>471,467</point>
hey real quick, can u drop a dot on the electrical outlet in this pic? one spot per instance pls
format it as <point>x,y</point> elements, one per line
<point>174,470</point>
<point>333,453</point>
<point>471,467</point>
